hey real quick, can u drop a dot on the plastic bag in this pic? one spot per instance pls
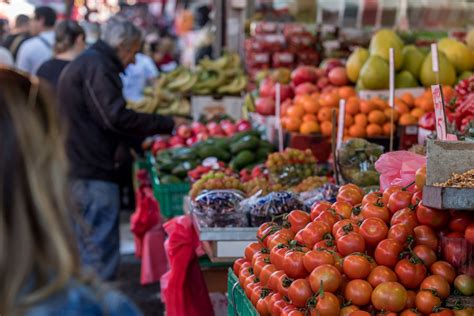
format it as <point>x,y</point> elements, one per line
<point>327,192</point>
<point>398,168</point>
<point>356,160</point>
<point>183,287</point>
<point>146,212</point>
<point>262,209</point>
<point>154,262</point>
<point>219,208</point>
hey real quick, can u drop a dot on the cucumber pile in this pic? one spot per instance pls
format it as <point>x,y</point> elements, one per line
<point>243,150</point>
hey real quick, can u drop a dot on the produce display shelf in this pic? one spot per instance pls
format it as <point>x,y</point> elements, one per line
<point>448,198</point>
<point>238,304</point>
<point>170,196</point>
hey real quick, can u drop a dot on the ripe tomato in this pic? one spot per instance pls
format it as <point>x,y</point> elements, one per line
<point>438,284</point>
<point>389,296</point>
<point>464,284</point>
<point>376,210</point>
<point>424,235</point>
<point>342,223</point>
<point>356,267</point>
<point>357,214</point>
<point>358,292</point>
<point>312,233</point>
<point>277,254</point>
<point>282,236</point>
<point>416,198</point>
<point>411,299</point>
<point>469,233</point>
<point>265,230</point>
<point>327,244</point>
<point>410,312</point>
<point>346,229</point>
<point>444,269</point>
<point>459,221</point>
<point>278,306</point>
<point>238,265</point>
<point>388,191</point>
<point>350,243</point>
<point>255,294</point>
<point>342,208</point>
<point>293,264</point>
<point>468,311</point>
<point>262,308</point>
<point>326,274</point>
<point>299,292</point>
<point>346,311</point>
<point>328,305</point>
<point>329,217</point>
<point>318,208</point>
<point>244,272</point>
<point>283,284</point>
<point>426,254</point>
<point>410,274</point>
<point>351,185</point>
<point>426,301</point>
<point>401,233</point>
<point>249,284</point>
<point>251,250</point>
<point>387,252</point>
<point>443,312</point>
<point>350,195</point>
<point>399,200</point>
<point>360,313</point>
<point>265,273</point>
<point>315,258</point>
<point>405,216</point>
<point>381,274</point>
<point>432,217</point>
<point>372,198</point>
<point>262,254</point>
<point>259,263</point>
<point>274,279</point>
<point>298,220</point>
<point>455,249</point>
<point>374,230</point>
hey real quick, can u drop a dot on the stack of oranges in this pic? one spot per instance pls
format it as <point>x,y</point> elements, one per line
<point>309,114</point>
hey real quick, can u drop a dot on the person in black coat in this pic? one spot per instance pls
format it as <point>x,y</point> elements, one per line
<point>91,100</point>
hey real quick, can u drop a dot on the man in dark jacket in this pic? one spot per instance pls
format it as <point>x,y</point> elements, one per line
<point>90,97</point>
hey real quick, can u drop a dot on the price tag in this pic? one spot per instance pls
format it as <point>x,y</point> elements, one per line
<point>340,123</point>
<point>434,57</point>
<point>391,99</point>
<point>440,115</point>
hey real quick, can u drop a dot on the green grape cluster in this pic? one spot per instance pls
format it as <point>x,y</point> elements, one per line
<point>291,166</point>
<point>215,181</point>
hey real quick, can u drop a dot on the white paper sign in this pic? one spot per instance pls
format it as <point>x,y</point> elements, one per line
<point>439,112</point>
<point>340,123</point>
<point>391,99</point>
<point>434,57</point>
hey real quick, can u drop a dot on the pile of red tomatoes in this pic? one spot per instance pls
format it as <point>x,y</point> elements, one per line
<point>383,253</point>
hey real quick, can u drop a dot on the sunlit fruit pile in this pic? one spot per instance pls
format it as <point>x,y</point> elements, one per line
<point>291,166</point>
<point>383,253</point>
<point>215,181</point>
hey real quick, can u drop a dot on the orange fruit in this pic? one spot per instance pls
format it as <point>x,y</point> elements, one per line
<point>292,124</point>
<point>324,114</point>
<point>296,111</point>
<point>376,117</point>
<point>360,120</point>
<point>309,127</point>
<point>352,105</point>
<point>426,104</point>
<point>448,93</point>
<point>326,128</point>
<point>388,112</point>
<point>315,95</point>
<point>386,129</point>
<point>346,92</point>
<point>417,112</point>
<point>408,98</point>
<point>310,105</point>
<point>348,120</point>
<point>366,106</point>
<point>407,119</point>
<point>379,103</point>
<point>373,130</point>
<point>310,118</point>
<point>329,99</point>
<point>284,107</point>
<point>357,131</point>
<point>401,107</point>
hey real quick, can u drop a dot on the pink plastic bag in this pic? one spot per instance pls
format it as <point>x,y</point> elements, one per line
<point>183,287</point>
<point>154,261</point>
<point>398,168</point>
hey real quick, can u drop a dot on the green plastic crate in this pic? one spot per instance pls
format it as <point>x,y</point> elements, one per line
<point>238,304</point>
<point>170,196</point>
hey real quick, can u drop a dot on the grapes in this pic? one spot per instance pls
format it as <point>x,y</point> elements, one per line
<point>291,166</point>
<point>215,181</point>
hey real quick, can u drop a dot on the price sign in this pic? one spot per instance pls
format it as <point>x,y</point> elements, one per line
<point>391,78</point>
<point>341,122</point>
<point>440,115</point>
<point>278,116</point>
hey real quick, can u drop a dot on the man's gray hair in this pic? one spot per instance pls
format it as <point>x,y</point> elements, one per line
<point>119,31</point>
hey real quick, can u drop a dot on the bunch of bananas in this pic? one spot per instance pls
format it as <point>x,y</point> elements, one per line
<point>222,76</point>
<point>161,102</point>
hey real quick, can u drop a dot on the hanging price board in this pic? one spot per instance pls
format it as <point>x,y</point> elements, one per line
<point>441,129</point>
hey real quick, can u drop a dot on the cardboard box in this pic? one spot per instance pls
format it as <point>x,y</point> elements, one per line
<point>209,106</point>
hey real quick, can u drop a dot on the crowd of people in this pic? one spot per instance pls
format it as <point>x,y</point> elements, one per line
<point>63,117</point>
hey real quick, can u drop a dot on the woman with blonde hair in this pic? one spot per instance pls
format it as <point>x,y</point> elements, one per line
<point>40,273</point>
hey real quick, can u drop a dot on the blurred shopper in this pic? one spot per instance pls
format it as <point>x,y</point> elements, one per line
<point>69,43</point>
<point>6,57</point>
<point>90,95</point>
<point>204,35</point>
<point>137,76</point>
<point>40,273</point>
<point>38,49</point>
<point>19,35</point>
<point>92,31</point>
